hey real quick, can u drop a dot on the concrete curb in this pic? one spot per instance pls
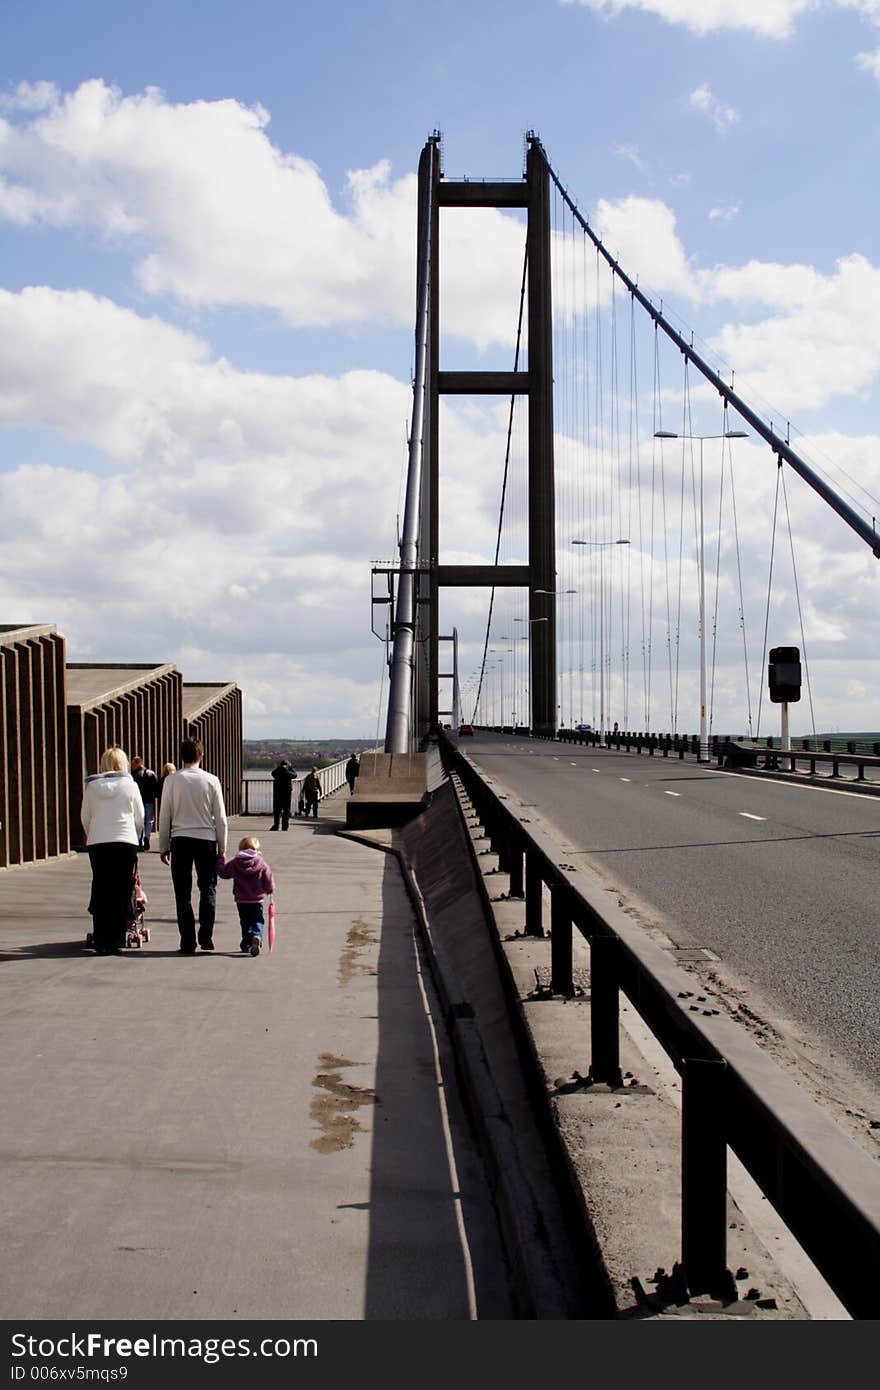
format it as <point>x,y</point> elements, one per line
<point>539,1289</point>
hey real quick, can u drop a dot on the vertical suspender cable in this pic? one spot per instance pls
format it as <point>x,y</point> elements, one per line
<point>797,594</point>
<point>399,728</point>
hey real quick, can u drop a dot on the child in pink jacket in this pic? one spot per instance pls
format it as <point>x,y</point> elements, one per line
<point>251,881</point>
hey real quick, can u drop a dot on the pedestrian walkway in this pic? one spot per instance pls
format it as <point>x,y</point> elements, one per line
<point>221,1137</point>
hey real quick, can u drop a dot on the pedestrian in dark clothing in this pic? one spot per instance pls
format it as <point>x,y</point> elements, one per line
<point>311,792</point>
<point>283,778</point>
<point>352,768</point>
<point>147,784</point>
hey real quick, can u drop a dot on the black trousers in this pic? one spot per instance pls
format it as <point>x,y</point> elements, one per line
<point>188,854</point>
<point>280,811</point>
<point>113,868</point>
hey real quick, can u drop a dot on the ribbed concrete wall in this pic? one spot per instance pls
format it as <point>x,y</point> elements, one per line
<point>138,708</point>
<point>213,715</point>
<point>34,821</point>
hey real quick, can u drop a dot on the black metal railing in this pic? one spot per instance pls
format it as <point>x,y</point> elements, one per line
<point>825,1188</point>
<point>727,751</point>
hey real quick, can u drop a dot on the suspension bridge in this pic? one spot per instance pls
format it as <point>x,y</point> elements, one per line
<point>646,552</point>
<point>643,594</point>
<point>604,1004</point>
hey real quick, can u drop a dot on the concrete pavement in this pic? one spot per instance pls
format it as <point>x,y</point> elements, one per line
<point>220,1137</point>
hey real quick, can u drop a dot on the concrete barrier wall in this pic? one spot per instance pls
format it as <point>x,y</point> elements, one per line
<point>212,713</point>
<point>34,819</point>
<point>57,718</point>
<point>139,708</point>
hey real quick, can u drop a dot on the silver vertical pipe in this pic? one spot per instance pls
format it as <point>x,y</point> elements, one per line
<point>399,725</point>
<point>456,691</point>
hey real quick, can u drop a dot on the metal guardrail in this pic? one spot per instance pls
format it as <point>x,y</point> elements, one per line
<point>824,1187</point>
<point>725,750</point>
<point>256,792</point>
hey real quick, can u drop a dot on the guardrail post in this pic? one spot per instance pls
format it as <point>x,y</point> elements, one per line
<point>516,871</point>
<point>534,894</point>
<point>503,850</point>
<point>604,1012</point>
<point>703,1177</point>
<point>561,981</point>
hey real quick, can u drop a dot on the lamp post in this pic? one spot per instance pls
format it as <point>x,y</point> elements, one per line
<point>601,546</point>
<point>703,755</point>
<point>531,622</point>
<point>559,593</point>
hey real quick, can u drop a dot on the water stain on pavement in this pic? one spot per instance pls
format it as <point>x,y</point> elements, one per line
<point>360,936</point>
<point>334,1103</point>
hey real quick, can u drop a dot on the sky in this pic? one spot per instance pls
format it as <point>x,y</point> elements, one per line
<point>207,270</point>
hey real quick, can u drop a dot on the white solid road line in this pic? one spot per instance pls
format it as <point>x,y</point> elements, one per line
<point>795,786</point>
<point>749,816</point>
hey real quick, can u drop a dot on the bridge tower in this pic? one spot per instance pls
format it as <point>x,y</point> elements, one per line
<point>428,575</point>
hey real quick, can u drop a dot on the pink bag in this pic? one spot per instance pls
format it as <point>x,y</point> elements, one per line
<point>271,932</point>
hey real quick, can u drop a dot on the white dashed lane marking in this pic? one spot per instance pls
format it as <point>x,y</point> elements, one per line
<point>749,816</point>
<point>672,793</point>
<point>626,779</point>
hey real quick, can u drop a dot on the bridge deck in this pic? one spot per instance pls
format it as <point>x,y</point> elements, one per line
<point>217,1137</point>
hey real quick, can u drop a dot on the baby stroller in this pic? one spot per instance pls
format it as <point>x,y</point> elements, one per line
<point>137,933</point>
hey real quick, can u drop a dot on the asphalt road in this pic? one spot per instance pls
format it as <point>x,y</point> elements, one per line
<point>781,882</point>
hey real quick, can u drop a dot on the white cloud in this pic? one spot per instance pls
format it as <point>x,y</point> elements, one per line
<point>238,512</point>
<point>631,153</point>
<point>822,344</point>
<point>772,19</point>
<point>218,215</point>
<point>869,8</point>
<point>702,99</point>
<point>728,214</point>
<point>640,233</point>
<point>30,96</point>
<point>870,62</point>
<point>819,340</point>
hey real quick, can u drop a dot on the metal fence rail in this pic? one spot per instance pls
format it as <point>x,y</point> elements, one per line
<point>727,751</point>
<point>825,1188</point>
<point>256,792</point>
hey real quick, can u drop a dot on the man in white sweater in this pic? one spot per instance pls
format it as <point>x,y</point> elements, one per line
<point>192,835</point>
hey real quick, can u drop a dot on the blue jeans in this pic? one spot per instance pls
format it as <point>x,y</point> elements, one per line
<point>250,915</point>
<point>188,854</point>
<point>149,817</point>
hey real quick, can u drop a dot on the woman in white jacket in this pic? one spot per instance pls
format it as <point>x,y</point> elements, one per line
<point>113,819</point>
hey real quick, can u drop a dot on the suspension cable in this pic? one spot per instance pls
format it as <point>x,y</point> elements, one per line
<point>769,591</point>
<point>800,613</point>
<point>781,447</point>
<point>522,299</point>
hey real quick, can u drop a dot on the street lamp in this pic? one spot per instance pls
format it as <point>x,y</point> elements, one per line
<point>703,755</point>
<point>531,622</point>
<point>601,546</point>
